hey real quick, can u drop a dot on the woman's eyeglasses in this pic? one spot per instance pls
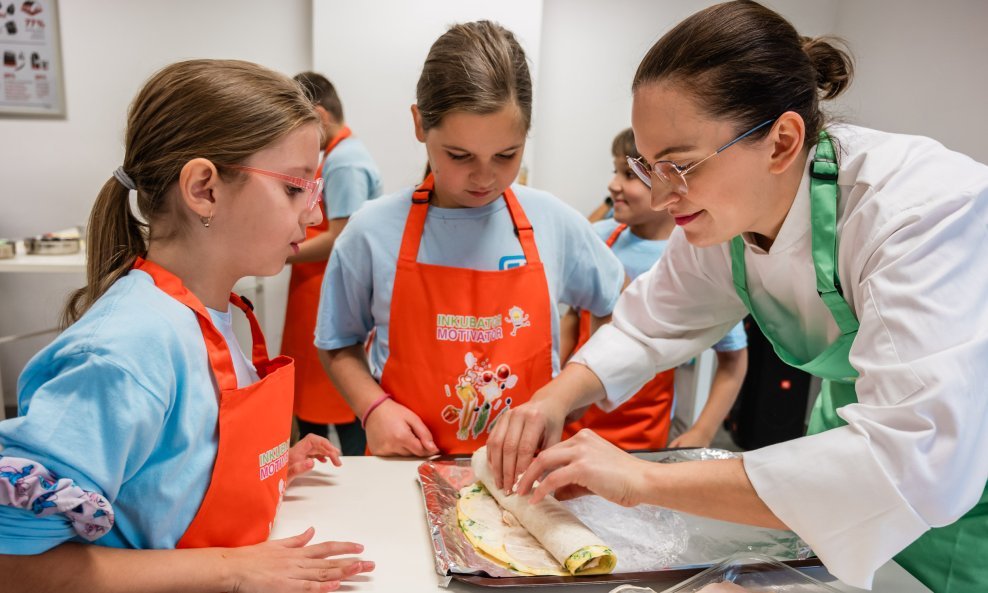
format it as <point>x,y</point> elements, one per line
<point>311,187</point>
<point>672,177</point>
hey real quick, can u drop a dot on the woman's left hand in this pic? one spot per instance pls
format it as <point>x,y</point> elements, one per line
<point>301,457</point>
<point>584,464</point>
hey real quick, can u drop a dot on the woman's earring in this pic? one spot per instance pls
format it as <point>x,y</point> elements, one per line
<point>206,220</point>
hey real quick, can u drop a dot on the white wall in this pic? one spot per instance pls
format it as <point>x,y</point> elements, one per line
<point>591,51</point>
<point>51,170</point>
<point>920,69</point>
<point>374,51</point>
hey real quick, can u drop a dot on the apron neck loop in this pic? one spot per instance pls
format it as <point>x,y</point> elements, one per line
<point>415,225</point>
<point>220,359</point>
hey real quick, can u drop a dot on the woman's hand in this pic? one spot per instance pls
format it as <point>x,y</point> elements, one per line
<point>290,565</point>
<point>520,433</point>
<point>584,464</point>
<point>301,457</point>
<point>394,430</point>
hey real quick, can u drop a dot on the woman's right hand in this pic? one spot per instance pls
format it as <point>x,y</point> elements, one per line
<point>520,434</point>
<point>394,430</point>
<point>290,565</point>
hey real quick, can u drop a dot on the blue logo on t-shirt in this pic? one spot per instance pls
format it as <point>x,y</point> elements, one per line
<point>511,261</point>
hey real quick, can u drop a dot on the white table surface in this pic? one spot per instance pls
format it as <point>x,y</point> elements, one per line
<point>378,503</point>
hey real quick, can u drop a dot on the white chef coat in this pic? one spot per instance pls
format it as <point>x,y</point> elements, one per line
<point>913,261</point>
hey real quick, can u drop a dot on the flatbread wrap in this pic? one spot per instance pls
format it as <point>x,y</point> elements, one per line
<point>543,539</point>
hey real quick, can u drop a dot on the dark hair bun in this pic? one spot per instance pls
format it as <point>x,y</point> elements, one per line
<point>832,62</point>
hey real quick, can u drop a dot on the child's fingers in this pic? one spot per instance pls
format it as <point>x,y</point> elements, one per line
<point>296,541</point>
<point>426,445</point>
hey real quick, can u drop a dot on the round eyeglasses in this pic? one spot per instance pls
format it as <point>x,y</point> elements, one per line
<point>672,177</point>
<point>312,188</point>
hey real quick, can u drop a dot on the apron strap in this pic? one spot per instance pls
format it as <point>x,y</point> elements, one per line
<point>415,224</point>
<point>259,350</point>
<point>823,218</point>
<point>526,236</point>
<point>218,351</point>
<point>614,235</point>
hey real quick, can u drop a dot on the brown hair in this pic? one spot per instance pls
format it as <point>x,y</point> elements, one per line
<point>624,144</point>
<point>746,63</point>
<point>221,110</point>
<point>321,92</point>
<point>476,67</point>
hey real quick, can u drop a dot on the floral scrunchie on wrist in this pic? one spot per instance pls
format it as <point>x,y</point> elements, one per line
<point>28,485</point>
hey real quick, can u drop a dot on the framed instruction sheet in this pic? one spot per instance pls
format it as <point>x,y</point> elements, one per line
<point>32,67</point>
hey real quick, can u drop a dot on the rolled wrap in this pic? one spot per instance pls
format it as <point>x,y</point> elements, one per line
<point>568,540</point>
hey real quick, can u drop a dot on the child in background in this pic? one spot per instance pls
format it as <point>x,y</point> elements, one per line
<point>143,427</point>
<point>350,179</point>
<point>461,276</point>
<point>638,235</point>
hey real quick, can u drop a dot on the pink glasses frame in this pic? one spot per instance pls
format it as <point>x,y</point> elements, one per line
<point>313,187</point>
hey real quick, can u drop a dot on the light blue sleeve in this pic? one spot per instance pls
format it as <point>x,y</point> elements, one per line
<point>735,339</point>
<point>593,275</point>
<point>91,422</point>
<point>347,189</point>
<point>344,317</point>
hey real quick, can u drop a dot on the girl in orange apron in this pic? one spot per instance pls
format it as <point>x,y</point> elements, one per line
<point>464,303</point>
<point>423,293</point>
<point>124,397</point>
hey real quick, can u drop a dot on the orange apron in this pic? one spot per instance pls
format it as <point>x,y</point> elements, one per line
<point>255,423</point>
<point>316,399</point>
<point>466,345</point>
<point>643,421</point>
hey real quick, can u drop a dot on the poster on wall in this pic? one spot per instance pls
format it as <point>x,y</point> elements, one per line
<point>32,67</point>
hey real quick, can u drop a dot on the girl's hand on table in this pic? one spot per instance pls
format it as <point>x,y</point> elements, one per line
<point>289,565</point>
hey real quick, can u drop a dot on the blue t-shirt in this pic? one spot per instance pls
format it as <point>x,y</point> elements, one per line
<point>640,255</point>
<point>350,178</point>
<point>123,402</point>
<point>357,286</point>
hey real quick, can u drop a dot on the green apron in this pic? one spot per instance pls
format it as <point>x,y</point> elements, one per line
<point>950,559</point>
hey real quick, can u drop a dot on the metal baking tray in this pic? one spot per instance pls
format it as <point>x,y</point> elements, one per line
<point>671,546</point>
<point>46,245</point>
<point>754,572</point>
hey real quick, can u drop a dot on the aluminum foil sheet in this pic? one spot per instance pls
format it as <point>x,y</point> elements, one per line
<point>646,538</point>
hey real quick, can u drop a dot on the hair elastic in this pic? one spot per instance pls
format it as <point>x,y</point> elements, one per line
<point>124,179</point>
